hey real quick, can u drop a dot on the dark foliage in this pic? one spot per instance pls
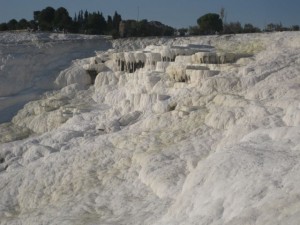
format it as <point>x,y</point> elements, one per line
<point>90,23</point>
<point>295,28</point>
<point>23,24</point>
<point>12,24</point>
<point>182,31</point>
<point>3,27</point>
<point>46,19</point>
<point>232,28</point>
<point>86,22</point>
<point>249,28</point>
<point>116,21</point>
<point>210,23</point>
<point>62,20</point>
<point>143,28</point>
<point>194,30</point>
<point>276,27</point>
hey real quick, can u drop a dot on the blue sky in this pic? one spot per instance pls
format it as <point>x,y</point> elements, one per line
<point>176,13</point>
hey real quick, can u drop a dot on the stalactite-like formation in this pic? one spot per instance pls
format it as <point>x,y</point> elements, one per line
<point>181,63</point>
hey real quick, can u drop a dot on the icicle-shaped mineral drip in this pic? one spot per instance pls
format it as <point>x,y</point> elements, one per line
<point>221,59</point>
<point>130,60</point>
<point>140,59</point>
<point>167,54</point>
<point>116,59</point>
<point>119,60</point>
<point>151,59</point>
<point>198,57</point>
<point>177,72</point>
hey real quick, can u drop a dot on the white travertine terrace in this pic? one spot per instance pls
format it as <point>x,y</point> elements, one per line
<point>204,137</point>
<point>174,60</point>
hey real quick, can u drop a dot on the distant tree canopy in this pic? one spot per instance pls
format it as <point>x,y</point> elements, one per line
<point>90,23</point>
<point>295,28</point>
<point>116,21</point>
<point>50,19</point>
<point>232,28</point>
<point>210,23</point>
<point>278,27</point>
<point>194,30</point>
<point>182,31</point>
<point>84,22</point>
<point>46,18</point>
<point>249,28</point>
<point>12,24</point>
<point>62,20</point>
<point>59,20</point>
<point>143,28</point>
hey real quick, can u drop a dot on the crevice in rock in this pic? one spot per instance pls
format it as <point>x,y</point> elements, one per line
<point>172,107</point>
<point>93,74</point>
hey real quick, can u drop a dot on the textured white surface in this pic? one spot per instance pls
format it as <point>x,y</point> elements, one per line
<point>30,62</point>
<point>141,148</point>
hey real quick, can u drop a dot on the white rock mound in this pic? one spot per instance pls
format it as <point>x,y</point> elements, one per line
<point>180,140</point>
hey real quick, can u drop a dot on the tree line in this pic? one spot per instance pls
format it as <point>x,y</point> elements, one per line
<point>84,22</point>
<point>212,23</point>
<point>144,28</point>
<point>59,20</point>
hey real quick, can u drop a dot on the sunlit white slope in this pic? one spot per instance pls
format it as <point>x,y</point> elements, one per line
<point>142,148</point>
